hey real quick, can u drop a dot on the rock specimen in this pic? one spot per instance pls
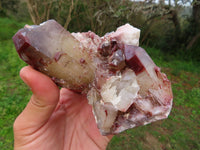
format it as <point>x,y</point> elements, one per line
<point>124,86</point>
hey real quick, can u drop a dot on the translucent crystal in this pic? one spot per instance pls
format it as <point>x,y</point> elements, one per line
<point>52,50</point>
<point>123,84</point>
<point>140,94</point>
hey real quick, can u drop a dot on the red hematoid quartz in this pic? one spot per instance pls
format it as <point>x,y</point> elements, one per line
<point>122,83</point>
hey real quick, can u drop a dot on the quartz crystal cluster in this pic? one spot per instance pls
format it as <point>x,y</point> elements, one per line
<point>124,86</point>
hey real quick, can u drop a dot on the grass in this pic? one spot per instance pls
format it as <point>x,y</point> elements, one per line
<point>180,131</point>
<point>13,93</point>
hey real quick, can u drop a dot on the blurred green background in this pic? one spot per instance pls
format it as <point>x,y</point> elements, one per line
<point>170,33</point>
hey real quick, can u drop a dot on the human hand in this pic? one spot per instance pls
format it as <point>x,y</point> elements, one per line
<point>55,119</point>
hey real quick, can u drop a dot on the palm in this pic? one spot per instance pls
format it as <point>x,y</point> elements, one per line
<point>70,126</point>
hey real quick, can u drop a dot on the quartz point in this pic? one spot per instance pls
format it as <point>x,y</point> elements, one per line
<point>124,86</point>
<point>52,50</point>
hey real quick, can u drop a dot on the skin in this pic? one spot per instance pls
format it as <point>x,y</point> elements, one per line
<point>55,119</point>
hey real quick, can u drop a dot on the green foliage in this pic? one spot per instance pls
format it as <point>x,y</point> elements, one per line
<point>8,28</point>
<point>179,131</point>
<point>14,94</point>
<point>177,62</point>
<point>15,9</point>
<point>163,27</point>
<point>193,99</point>
<point>182,126</point>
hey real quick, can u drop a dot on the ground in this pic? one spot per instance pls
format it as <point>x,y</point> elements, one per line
<point>181,131</point>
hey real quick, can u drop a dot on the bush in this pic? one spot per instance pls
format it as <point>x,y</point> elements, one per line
<point>8,27</point>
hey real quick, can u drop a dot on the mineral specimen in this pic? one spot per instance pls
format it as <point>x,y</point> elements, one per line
<point>52,50</point>
<point>123,84</point>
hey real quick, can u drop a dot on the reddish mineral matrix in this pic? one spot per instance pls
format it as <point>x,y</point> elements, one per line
<point>124,86</point>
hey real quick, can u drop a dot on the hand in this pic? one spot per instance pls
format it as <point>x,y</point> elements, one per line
<point>55,119</point>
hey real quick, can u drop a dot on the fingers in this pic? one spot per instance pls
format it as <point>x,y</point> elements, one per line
<point>43,101</point>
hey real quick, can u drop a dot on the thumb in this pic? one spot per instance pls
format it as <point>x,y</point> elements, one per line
<point>42,103</point>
